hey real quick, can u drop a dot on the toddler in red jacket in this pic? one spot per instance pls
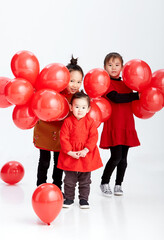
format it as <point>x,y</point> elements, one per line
<point>79,153</point>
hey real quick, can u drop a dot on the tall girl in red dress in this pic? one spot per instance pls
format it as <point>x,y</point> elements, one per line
<point>119,132</point>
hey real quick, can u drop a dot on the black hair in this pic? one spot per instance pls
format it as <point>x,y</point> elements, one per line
<point>113,55</point>
<point>73,66</point>
<point>79,95</point>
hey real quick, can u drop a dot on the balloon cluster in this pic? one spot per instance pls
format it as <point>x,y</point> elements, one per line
<point>96,83</point>
<point>35,94</point>
<point>137,75</point>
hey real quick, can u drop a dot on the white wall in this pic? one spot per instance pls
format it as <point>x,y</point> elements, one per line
<point>89,29</point>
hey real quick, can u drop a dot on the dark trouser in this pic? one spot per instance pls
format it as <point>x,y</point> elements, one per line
<point>118,159</point>
<point>70,180</point>
<point>44,163</point>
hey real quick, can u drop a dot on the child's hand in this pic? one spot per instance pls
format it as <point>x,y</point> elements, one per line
<point>73,154</point>
<point>83,152</point>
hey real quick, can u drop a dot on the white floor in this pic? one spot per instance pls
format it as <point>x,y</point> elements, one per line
<point>137,215</point>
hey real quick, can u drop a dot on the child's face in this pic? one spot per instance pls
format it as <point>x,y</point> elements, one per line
<point>114,67</point>
<point>79,107</point>
<point>75,82</point>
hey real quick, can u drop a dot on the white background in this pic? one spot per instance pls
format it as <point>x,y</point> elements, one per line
<point>54,30</point>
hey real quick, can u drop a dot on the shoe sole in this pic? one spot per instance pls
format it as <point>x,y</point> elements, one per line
<point>84,206</point>
<point>107,195</point>
<point>118,194</point>
<point>67,206</point>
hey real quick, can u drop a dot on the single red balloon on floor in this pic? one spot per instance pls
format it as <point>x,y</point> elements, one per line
<point>19,91</point>
<point>139,111</point>
<point>96,82</point>
<point>137,74</point>
<point>23,117</point>
<point>152,99</point>
<point>24,64</point>
<point>105,107</point>
<point>48,105</point>
<point>3,101</point>
<point>54,76</point>
<point>47,202</point>
<point>12,172</point>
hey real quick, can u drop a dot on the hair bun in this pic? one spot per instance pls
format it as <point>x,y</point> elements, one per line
<point>73,61</point>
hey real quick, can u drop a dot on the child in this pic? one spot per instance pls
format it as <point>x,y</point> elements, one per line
<point>79,153</point>
<point>119,130</point>
<point>46,134</point>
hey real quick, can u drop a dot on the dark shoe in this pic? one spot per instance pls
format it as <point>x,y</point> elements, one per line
<point>68,203</point>
<point>83,204</point>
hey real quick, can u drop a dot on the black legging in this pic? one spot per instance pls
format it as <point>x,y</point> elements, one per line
<point>44,163</point>
<point>118,159</point>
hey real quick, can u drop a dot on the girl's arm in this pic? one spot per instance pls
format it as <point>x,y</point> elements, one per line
<point>122,97</point>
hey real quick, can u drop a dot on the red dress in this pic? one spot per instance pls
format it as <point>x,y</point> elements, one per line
<point>75,135</point>
<point>119,129</point>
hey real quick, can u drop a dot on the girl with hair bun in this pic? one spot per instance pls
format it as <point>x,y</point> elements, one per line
<point>46,134</point>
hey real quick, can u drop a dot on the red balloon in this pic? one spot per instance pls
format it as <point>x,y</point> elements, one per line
<point>19,91</point>
<point>139,111</point>
<point>95,114</point>
<point>47,104</point>
<point>152,99</point>
<point>65,110</point>
<point>47,201</point>
<point>12,172</point>
<point>25,65</point>
<point>137,74</point>
<point>105,107</point>
<point>23,117</point>
<point>55,76</point>
<point>96,82</point>
<point>158,80</point>
<point>3,101</point>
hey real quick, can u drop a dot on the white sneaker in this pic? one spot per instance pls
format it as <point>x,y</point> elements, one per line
<point>105,188</point>
<point>118,190</point>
